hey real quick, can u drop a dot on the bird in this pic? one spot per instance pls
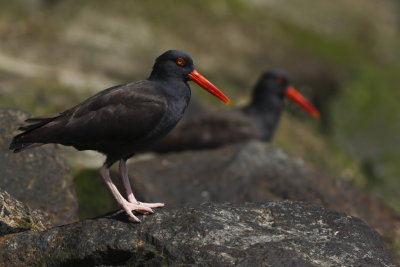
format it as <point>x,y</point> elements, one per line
<point>122,120</point>
<point>257,120</point>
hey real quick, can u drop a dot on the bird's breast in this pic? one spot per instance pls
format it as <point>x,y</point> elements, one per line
<point>174,112</point>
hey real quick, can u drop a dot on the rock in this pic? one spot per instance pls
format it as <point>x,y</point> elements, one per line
<point>285,233</point>
<point>253,172</point>
<point>16,217</point>
<point>38,177</point>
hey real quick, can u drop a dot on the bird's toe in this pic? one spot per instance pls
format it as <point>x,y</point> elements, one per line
<point>132,217</point>
<point>152,205</point>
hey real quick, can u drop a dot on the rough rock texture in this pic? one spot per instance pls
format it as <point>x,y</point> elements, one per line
<point>282,233</point>
<point>253,172</point>
<point>38,177</point>
<point>17,217</point>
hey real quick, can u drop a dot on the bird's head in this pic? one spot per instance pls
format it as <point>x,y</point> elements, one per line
<point>276,83</point>
<point>177,65</point>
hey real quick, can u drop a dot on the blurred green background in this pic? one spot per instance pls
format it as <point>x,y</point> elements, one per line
<point>344,55</point>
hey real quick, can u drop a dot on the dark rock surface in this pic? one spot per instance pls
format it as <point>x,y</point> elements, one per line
<point>17,217</point>
<point>253,172</point>
<point>38,177</point>
<point>282,233</point>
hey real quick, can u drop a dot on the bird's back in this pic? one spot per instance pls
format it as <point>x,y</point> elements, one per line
<point>117,117</point>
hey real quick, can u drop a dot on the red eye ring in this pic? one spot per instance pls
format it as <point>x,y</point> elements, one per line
<point>180,61</point>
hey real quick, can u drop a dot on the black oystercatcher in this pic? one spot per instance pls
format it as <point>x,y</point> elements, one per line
<point>258,120</point>
<point>122,120</point>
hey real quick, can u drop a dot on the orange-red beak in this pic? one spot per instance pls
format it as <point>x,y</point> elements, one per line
<point>299,99</point>
<point>203,82</point>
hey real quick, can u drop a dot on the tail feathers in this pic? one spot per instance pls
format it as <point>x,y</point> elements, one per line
<point>36,122</point>
<point>19,142</point>
<point>30,127</point>
<point>43,118</point>
<point>18,147</point>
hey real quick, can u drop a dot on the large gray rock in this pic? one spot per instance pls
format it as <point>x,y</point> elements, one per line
<point>17,217</point>
<point>38,177</point>
<point>283,233</point>
<point>253,172</point>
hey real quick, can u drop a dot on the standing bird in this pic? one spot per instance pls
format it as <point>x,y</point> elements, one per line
<point>257,120</point>
<point>122,120</point>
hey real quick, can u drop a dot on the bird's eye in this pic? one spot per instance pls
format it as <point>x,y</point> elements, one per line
<point>280,79</point>
<point>180,61</point>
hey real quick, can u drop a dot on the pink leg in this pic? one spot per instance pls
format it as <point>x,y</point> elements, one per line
<point>127,206</point>
<point>125,180</point>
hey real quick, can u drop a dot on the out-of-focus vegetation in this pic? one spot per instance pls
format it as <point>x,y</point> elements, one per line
<point>343,54</point>
<point>94,197</point>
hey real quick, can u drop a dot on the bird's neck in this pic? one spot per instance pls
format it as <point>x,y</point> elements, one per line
<point>177,95</point>
<point>170,85</point>
<point>266,113</point>
<point>176,91</point>
<point>157,76</point>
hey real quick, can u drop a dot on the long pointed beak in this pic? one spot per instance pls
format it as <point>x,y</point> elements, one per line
<point>203,82</point>
<point>292,93</point>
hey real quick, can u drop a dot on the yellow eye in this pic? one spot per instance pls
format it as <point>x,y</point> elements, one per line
<point>280,79</point>
<point>180,61</point>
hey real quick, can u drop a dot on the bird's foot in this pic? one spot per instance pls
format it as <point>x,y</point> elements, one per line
<point>133,200</point>
<point>151,205</point>
<point>129,207</point>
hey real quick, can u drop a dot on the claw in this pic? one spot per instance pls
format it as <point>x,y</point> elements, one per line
<point>132,217</point>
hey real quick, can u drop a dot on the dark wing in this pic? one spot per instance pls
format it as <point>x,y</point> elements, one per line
<point>210,131</point>
<point>119,114</point>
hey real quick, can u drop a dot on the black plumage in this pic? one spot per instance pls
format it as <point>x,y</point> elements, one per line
<point>122,120</point>
<point>258,120</point>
